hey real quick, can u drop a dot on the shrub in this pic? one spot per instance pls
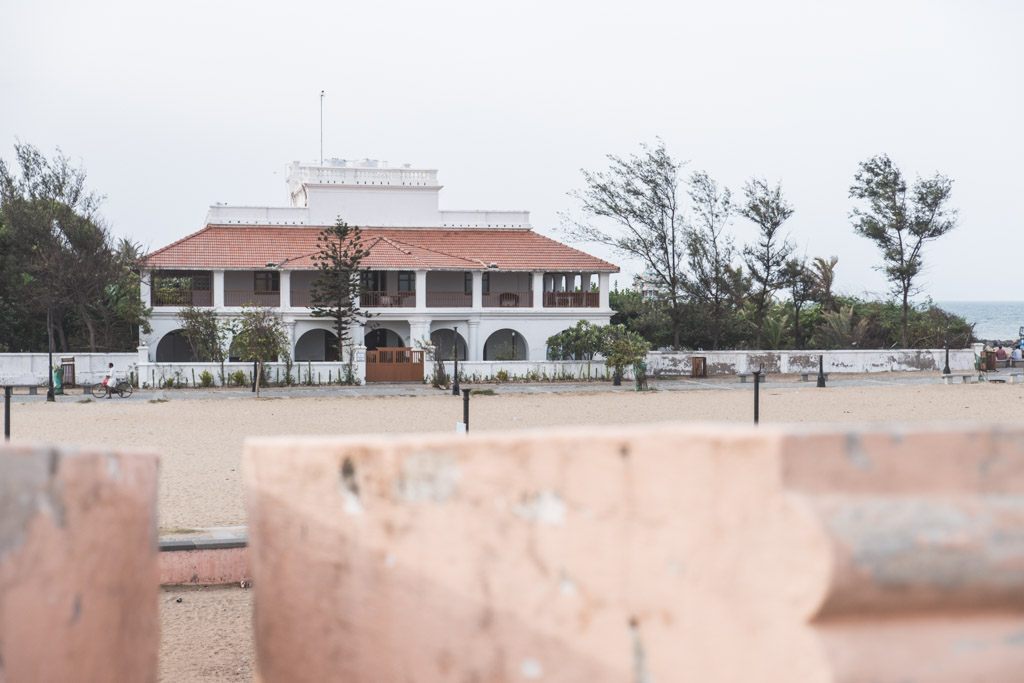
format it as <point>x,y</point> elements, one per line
<point>238,378</point>
<point>501,375</point>
<point>205,378</point>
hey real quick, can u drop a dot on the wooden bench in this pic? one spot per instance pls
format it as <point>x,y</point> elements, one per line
<point>965,377</point>
<point>806,376</point>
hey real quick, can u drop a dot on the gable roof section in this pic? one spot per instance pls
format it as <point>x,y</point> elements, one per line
<point>252,247</point>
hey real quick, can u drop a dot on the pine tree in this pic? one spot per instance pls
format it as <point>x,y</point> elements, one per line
<point>335,292</point>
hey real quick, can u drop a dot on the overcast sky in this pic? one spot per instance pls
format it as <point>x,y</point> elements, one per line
<point>174,106</point>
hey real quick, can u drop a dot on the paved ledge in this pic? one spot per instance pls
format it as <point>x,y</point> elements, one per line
<point>209,557</point>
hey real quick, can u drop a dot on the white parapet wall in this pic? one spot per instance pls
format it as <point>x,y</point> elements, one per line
<point>528,370</point>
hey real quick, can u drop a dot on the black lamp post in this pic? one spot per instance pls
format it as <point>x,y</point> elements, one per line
<point>945,368</point>
<point>455,357</point>
<point>49,351</point>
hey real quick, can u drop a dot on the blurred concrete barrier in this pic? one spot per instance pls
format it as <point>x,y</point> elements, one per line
<point>651,554</point>
<point>78,566</point>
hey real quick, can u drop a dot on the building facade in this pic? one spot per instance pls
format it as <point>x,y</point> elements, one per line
<point>481,280</point>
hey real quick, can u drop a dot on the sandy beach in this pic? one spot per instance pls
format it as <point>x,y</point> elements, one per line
<point>200,441</point>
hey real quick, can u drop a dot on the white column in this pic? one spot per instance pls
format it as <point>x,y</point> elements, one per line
<point>289,329</point>
<point>473,342</point>
<point>146,288</point>
<point>421,290</point>
<point>538,290</point>
<point>143,351</point>
<point>585,282</point>
<point>604,279</point>
<point>218,289</point>
<point>419,329</point>
<point>478,289</point>
<point>286,290</point>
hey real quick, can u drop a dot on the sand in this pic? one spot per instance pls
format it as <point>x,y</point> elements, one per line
<point>207,636</point>
<point>200,441</point>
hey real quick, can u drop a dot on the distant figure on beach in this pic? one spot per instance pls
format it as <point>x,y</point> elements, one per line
<point>1016,355</point>
<point>1000,353</point>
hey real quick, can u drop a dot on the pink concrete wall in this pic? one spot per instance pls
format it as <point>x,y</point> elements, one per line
<point>642,555</point>
<point>204,567</point>
<point>78,566</point>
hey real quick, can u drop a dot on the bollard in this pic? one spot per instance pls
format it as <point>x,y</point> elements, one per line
<point>7,413</point>
<point>821,371</point>
<point>465,408</point>
<point>757,393</point>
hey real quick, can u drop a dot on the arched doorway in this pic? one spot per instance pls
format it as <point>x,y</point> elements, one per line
<point>506,344</point>
<point>442,341</point>
<point>317,345</point>
<point>382,338</point>
<point>173,348</point>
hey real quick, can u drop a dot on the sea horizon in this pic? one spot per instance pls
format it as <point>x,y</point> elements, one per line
<point>993,320</point>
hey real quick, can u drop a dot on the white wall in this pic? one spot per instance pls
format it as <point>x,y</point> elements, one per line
<point>786,362</point>
<point>31,368</point>
<point>154,374</point>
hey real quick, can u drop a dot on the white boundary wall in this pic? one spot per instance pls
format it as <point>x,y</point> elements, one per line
<point>30,368</point>
<point>675,363</point>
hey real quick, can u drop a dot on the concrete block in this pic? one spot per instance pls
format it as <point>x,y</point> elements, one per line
<point>78,565</point>
<point>643,554</point>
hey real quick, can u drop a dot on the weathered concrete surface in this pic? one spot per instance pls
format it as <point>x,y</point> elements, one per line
<point>78,566</point>
<point>838,361</point>
<point>204,567</point>
<point>647,554</point>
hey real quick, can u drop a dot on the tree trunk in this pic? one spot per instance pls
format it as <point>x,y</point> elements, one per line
<point>904,317</point>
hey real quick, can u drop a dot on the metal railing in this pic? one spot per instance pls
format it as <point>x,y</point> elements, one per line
<point>301,298</point>
<point>243,297</point>
<point>182,297</point>
<point>571,299</point>
<point>388,299</point>
<point>449,299</point>
<point>518,299</point>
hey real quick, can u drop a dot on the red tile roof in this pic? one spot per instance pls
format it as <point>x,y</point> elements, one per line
<point>252,247</point>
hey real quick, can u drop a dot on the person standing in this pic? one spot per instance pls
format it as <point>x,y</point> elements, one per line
<point>109,380</point>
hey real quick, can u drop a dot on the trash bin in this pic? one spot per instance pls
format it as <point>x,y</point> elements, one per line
<point>58,381</point>
<point>698,366</point>
<point>989,361</point>
<point>67,366</point>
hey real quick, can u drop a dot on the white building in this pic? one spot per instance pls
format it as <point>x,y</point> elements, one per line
<point>482,278</point>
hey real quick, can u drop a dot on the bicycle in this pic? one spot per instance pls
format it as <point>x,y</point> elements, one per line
<point>122,389</point>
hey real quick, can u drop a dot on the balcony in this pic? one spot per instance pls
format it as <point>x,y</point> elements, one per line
<point>247,297</point>
<point>449,300</point>
<point>388,299</point>
<point>301,298</point>
<point>182,297</point>
<point>516,299</point>
<point>572,299</point>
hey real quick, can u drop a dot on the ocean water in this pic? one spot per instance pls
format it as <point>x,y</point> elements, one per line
<point>993,320</point>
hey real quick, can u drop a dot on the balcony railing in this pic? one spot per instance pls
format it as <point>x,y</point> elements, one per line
<point>301,298</point>
<point>571,299</point>
<point>182,297</point>
<point>520,299</point>
<point>243,297</point>
<point>449,300</point>
<point>388,299</point>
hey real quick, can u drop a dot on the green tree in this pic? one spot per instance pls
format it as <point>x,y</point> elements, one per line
<point>261,338</point>
<point>622,348</point>
<point>824,272</point>
<point>765,207</point>
<point>710,254</point>
<point>579,342</point>
<point>634,207</point>
<point>900,219</point>
<point>208,335</point>
<point>335,292</point>
<point>61,275</point>
<point>800,283</point>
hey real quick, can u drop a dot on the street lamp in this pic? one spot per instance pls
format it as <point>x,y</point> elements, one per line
<point>455,357</point>
<point>49,351</point>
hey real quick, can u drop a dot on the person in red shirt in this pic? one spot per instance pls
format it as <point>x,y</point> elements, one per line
<point>1000,353</point>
